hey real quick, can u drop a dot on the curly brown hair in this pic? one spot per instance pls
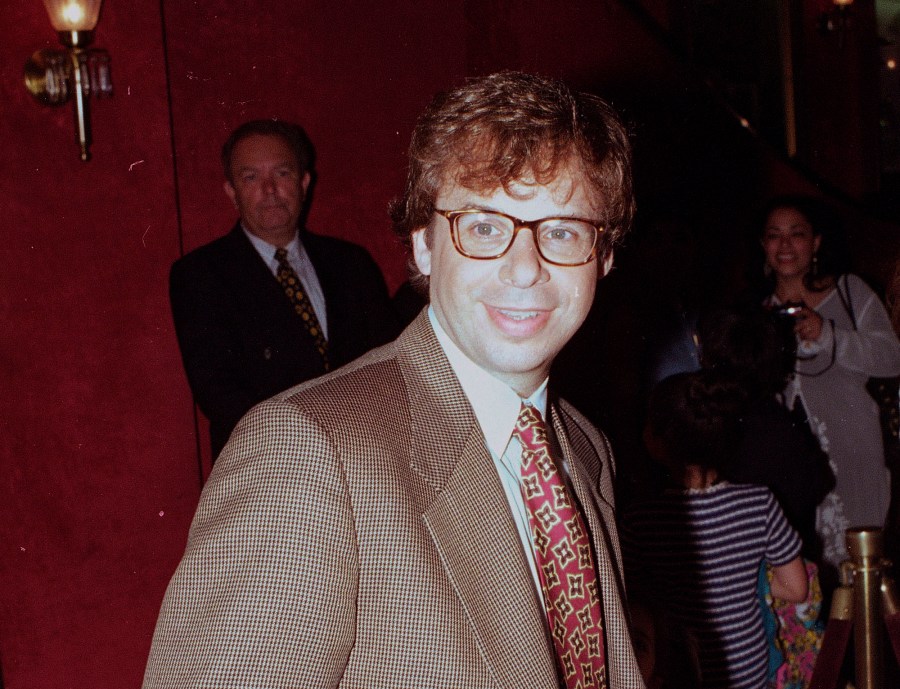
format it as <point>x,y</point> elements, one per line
<point>508,127</point>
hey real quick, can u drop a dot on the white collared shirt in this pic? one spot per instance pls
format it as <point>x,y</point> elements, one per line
<point>496,407</point>
<point>299,260</point>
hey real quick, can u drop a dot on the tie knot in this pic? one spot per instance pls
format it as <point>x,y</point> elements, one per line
<point>530,428</point>
<point>529,415</point>
<point>281,255</point>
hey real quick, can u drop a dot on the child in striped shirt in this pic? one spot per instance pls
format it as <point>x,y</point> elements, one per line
<point>700,544</point>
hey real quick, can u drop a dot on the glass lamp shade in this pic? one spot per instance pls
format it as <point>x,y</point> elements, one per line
<point>73,15</point>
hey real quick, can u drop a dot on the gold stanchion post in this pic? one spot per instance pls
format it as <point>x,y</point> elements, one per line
<point>866,548</point>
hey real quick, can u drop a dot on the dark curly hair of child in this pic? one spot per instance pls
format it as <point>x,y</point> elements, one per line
<point>694,417</point>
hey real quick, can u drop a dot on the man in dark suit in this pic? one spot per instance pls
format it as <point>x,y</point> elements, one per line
<point>252,322</point>
<point>411,520</point>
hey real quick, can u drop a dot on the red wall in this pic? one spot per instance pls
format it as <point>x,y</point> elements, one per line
<point>100,467</point>
<point>96,439</point>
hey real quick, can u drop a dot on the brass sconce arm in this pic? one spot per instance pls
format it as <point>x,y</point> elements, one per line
<point>54,77</point>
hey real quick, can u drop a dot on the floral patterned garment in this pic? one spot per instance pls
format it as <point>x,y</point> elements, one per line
<point>795,631</point>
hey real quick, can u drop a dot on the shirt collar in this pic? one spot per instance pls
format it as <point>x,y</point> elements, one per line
<point>294,248</point>
<point>496,405</point>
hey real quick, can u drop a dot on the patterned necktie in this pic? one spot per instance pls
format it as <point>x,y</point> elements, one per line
<point>565,561</point>
<point>304,308</point>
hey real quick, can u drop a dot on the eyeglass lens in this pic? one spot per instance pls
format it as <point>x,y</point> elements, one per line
<point>560,240</point>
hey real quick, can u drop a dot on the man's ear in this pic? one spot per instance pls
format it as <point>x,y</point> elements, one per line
<point>421,251</point>
<point>229,191</point>
<point>304,183</point>
<point>607,264</point>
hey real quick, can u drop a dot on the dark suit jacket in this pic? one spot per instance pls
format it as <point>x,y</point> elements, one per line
<point>354,533</point>
<point>240,338</point>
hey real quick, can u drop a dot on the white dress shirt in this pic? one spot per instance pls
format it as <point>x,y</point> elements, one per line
<point>299,260</point>
<point>496,407</point>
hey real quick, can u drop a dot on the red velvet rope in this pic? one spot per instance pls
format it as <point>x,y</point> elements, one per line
<point>893,628</point>
<point>826,674</point>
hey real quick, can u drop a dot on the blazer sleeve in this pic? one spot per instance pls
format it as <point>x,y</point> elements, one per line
<point>210,346</point>
<point>265,595</point>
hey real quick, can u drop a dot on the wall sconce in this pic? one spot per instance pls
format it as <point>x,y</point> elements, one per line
<point>55,76</point>
<point>836,19</point>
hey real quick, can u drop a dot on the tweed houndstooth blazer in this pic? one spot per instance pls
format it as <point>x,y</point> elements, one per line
<point>354,533</point>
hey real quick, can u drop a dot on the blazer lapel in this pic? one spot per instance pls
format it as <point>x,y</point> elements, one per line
<point>469,519</point>
<point>621,665</point>
<point>253,282</point>
<point>600,512</point>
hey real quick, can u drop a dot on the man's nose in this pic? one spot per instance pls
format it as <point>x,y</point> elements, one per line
<point>522,264</point>
<point>269,184</point>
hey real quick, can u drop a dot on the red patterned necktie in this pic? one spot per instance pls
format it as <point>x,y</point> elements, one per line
<point>301,303</point>
<point>565,561</point>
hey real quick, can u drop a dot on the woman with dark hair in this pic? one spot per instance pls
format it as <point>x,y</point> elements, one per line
<point>844,336</point>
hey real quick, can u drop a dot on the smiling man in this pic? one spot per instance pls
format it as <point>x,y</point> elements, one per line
<point>431,515</point>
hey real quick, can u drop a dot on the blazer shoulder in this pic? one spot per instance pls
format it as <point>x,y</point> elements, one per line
<point>589,442</point>
<point>574,419</point>
<point>227,247</point>
<point>332,256</point>
<point>363,384</point>
<point>340,261</point>
<point>324,244</point>
<point>317,413</point>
